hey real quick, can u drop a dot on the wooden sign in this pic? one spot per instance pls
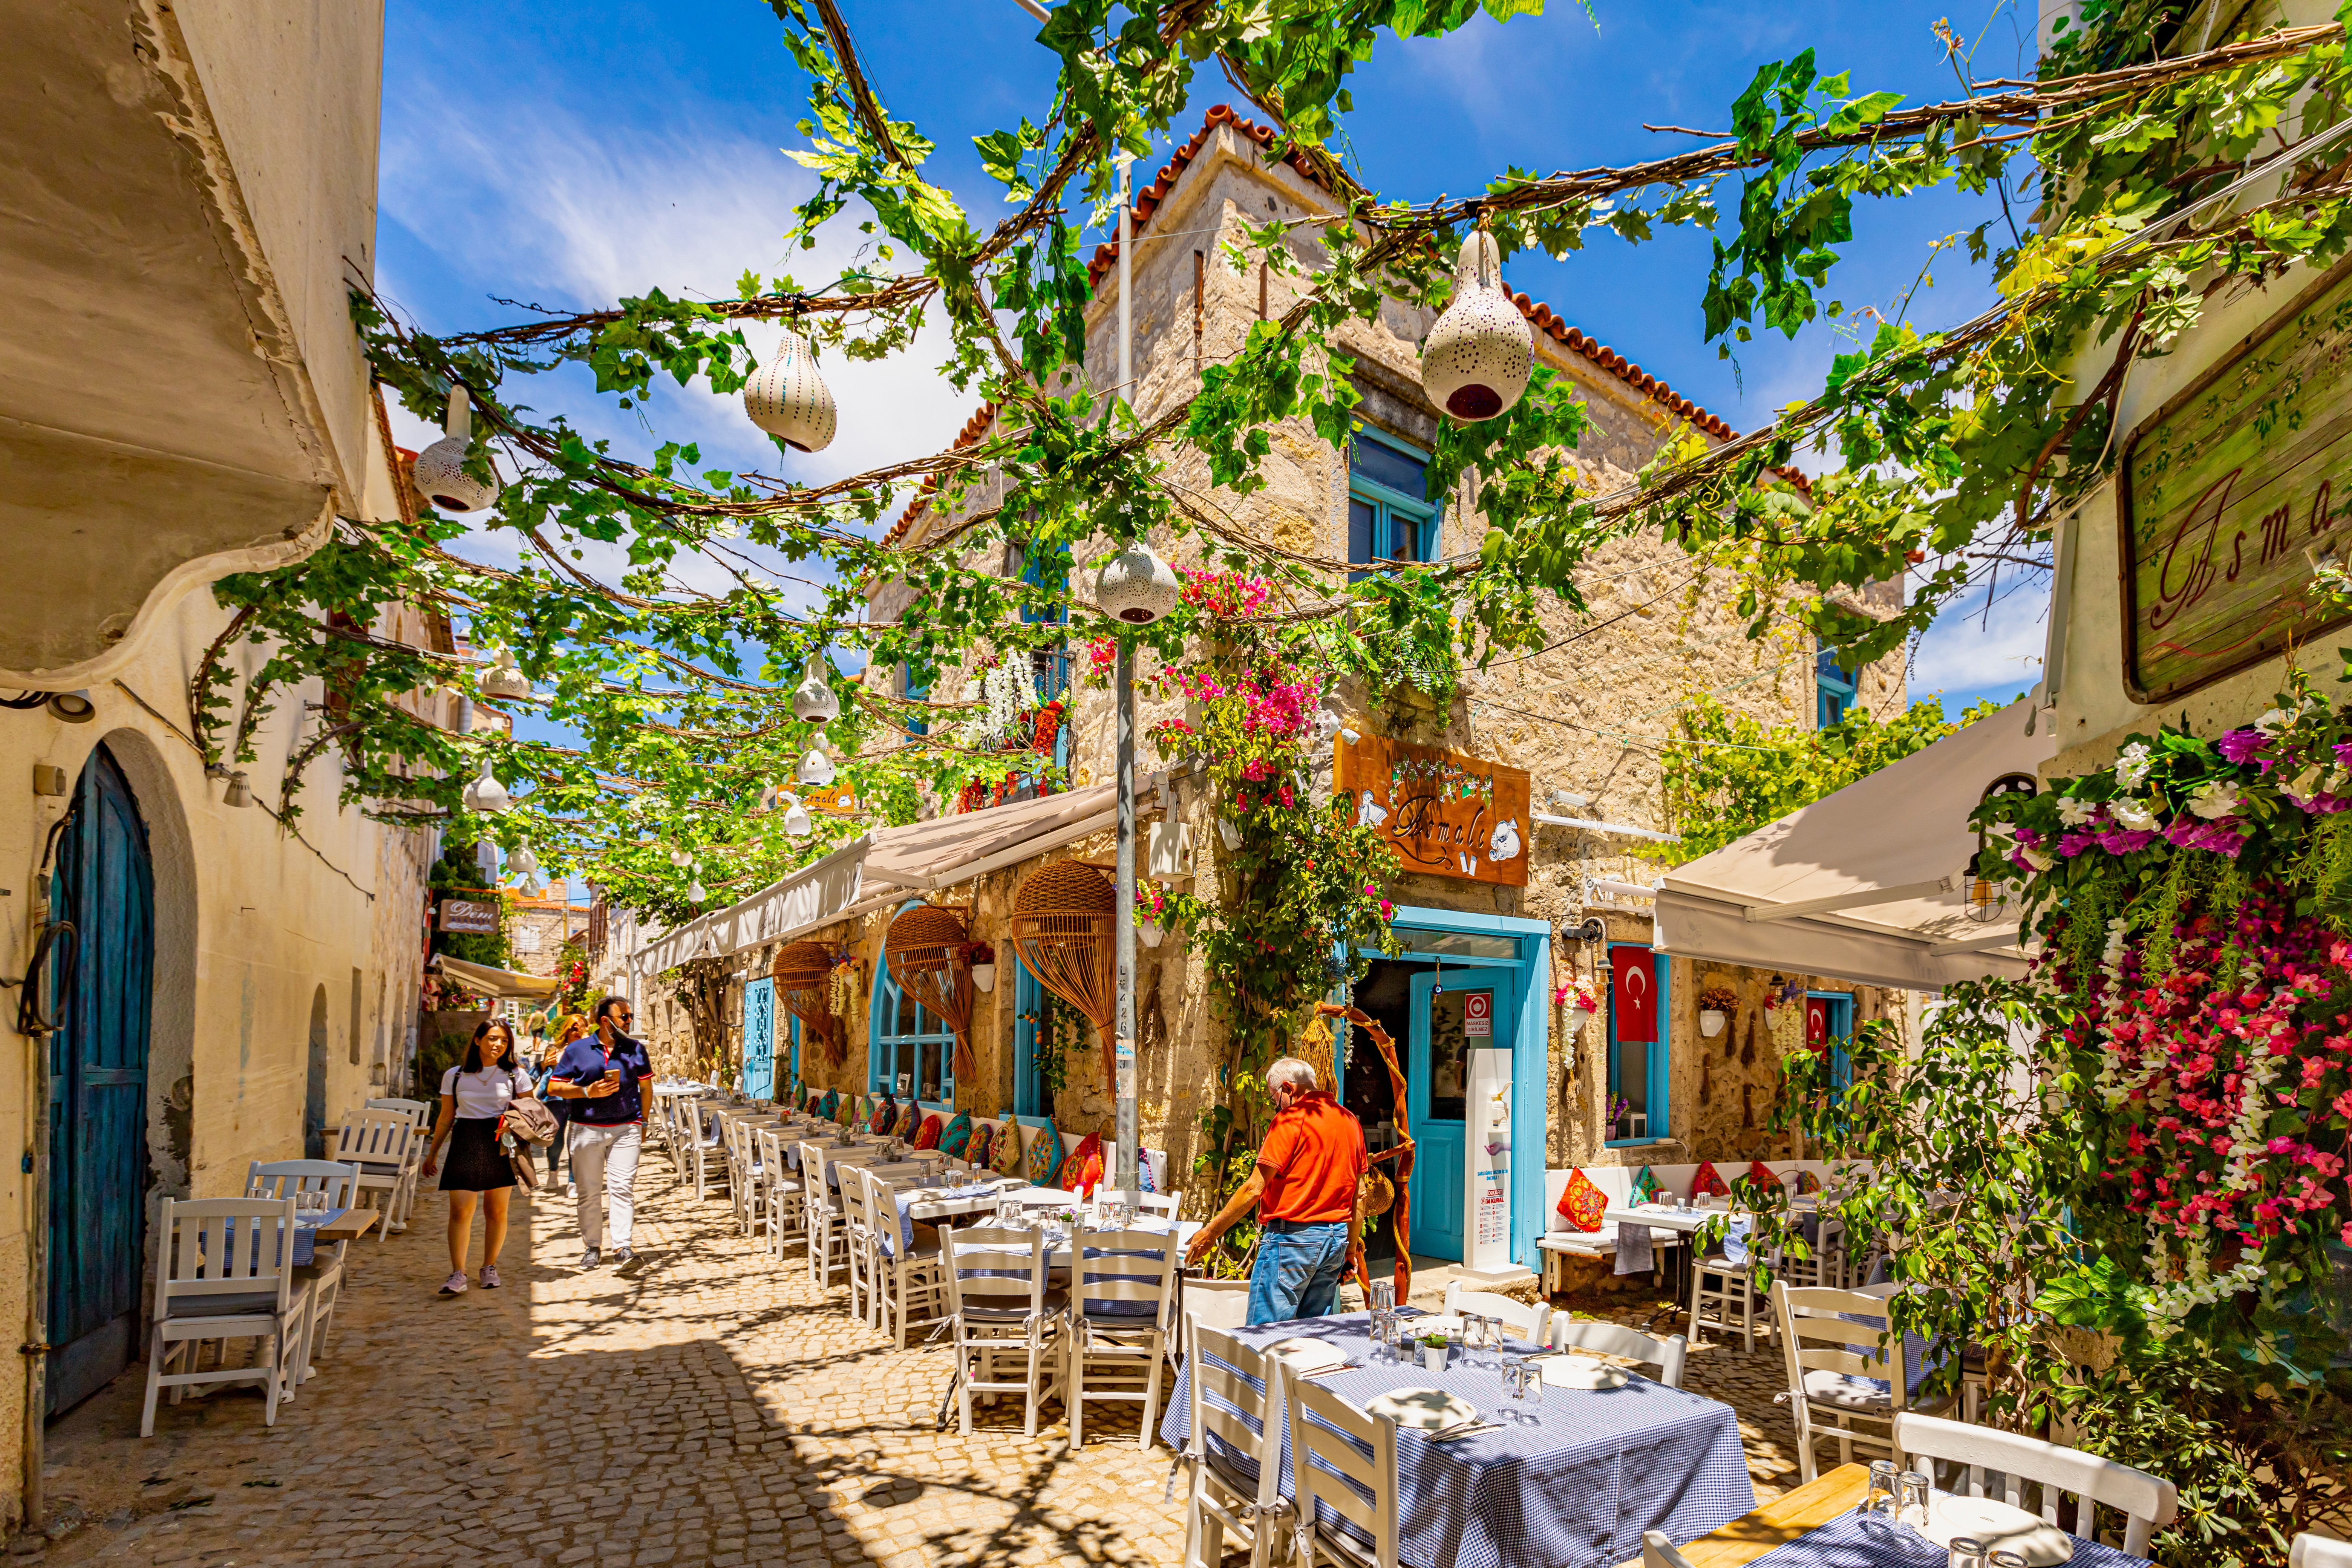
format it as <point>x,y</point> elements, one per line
<point>1441,812</point>
<point>2227,499</point>
<point>471,918</point>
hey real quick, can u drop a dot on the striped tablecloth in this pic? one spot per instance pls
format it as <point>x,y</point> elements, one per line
<point>1869,1540</point>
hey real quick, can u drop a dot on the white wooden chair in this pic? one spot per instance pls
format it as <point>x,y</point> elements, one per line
<point>704,1149</point>
<point>219,1280</point>
<point>858,1225</point>
<point>1629,1344</point>
<point>1658,1551</point>
<point>1834,1364</point>
<point>1236,1407</point>
<point>2318,1552</point>
<point>1520,1320</point>
<point>781,1200</point>
<point>1002,1311</point>
<point>274,1179</point>
<point>1346,1500</point>
<point>1826,1267</point>
<point>1219,1303</point>
<point>908,1284</point>
<point>1723,1292</point>
<point>742,1171</point>
<point>389,1151</point>
<point>828,1235</point>
<point>2146,1503</point>
<point>1115,1276</point>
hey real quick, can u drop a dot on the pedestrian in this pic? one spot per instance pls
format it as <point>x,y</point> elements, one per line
<point>1306,1185</point>
<point>604,1074</point>
<point>474,1095</point>
<point>575,1025</point>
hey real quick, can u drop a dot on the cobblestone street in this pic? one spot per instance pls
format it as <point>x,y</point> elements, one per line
<point>713,1411</point>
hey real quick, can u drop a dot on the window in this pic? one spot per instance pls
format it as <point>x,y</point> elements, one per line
<point>1389,517</point>
<point>914,687</point>
<point>1049,669</point>
<point>1828,1018</point>
<point>1034,1022</point>
<point>1638,1044</point>
<point>908,1042</point>
<point>1834,689</point>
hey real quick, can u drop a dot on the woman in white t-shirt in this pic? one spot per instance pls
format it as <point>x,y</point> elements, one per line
<point>473,1097</point>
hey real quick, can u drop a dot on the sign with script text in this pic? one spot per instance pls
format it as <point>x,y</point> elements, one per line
<point>470,917</point>
<point>2227,499</point>
<point>1442,812</point>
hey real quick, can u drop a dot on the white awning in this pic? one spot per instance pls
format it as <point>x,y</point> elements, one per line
<point>882,867</point>
<point>1867,884</point>
<point>489,982</point>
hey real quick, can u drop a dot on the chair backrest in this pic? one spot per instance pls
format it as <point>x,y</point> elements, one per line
<point>1658,1551</point>
<point>1617,1340</point>
<point>1130,1267</point>
<point>771,1142</point>
<point>378,1137</point>
<point>996,1268</point>
<point>856,1201</point>
<point>1236,1397</point>
<point>1162,1204</point>
<point>1818,1333</point>
<point>224,1247</point>
<point>418,1110</point>
<point>2318,1552</point>
<point>813,1182</point>
<point>274,1179</point>
<point>1527,1321</point>
<point>1334,1479</point>
<point>2147,1502</point>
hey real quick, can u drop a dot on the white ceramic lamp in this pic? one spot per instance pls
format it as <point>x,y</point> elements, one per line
<point>440,472</point>
<point>503,680</point>
<point>813,700</point>
<point>796,818</point>
<point>486,795</point>
<point>1136,586</point>
<point>815,770</point>
<point>788,399</point>
<point>1478,356</point>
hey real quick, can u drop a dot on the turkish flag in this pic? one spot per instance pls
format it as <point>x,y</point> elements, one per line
<point>1817,1024</point>
<point>1634,993</point>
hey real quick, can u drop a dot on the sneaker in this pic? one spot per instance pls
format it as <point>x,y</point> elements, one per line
<point>625,1259</point>
<point>490,1277</point>
<point>455,1285</point>
<point>590,1258</point>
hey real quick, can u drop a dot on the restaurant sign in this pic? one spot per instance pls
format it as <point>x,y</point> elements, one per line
<point>470,916</point>
<point>2228,501</point>
<point>1442,812</point>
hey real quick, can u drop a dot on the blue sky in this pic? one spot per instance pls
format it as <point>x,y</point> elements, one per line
<point>567,154</point>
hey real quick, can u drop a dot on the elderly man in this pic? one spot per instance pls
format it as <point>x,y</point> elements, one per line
<point>1304,1187</point>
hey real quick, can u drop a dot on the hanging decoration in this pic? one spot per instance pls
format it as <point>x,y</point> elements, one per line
<point>788,399</point>
<point>1479,354</point>
<point>802,972</point>
<point>924,949</point>
<point>1064,919</point>
<point>1398,1156</point>
<point>440,473</point>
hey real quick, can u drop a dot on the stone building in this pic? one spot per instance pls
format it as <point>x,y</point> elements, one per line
<point>1580,721</point>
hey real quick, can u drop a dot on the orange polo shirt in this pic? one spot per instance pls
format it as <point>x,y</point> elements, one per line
<point>1313,1156</point>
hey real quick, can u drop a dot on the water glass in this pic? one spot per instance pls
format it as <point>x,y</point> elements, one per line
<point>1383,1332</point>
<point>1912,1508</point>
<point>2005,1558</point>
<point>1965,1552</point>
<point>1882,1488</point>
<point>1380,1296</point>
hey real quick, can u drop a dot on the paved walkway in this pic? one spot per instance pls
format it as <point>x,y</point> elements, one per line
<point>714,1411</point>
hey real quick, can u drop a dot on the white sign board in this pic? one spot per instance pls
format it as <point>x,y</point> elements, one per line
<point>1487,1227</point>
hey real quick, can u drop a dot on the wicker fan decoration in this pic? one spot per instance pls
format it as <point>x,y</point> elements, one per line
<point>920,948</point>
<point>1062,922</point>
<point>802,971</point>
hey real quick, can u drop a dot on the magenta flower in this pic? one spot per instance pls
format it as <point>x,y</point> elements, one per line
<point>2239,745</point>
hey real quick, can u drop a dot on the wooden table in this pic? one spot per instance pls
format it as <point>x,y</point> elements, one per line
<point>349,1225</point>
<point>1759,1530</point>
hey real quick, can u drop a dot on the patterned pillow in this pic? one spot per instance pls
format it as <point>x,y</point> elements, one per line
<point>1707,1183</point>
<point>927,1136</point>
<point>1761,1175</point>
<point>903,1126</point>
<point>1007,1160</point>
<point>957,1136</point>
<point>1143,1177</point>
<point>1582,1203</point>
<point>1807,1182</point>
<point>1082,1172</point>
<point>885,1114</point>
<point>1645,1187</point>
<point>1044,1155</point>
<point>976,1152</point>
<point>831,1107</point>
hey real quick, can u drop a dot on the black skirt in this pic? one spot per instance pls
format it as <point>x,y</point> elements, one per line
<point>474,1163</point>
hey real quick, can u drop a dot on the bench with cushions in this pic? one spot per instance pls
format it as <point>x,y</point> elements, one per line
<point>1562,1241</point>
<point>1029,1126</point>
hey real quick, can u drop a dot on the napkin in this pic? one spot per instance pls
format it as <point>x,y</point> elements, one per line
<point>1998,1528</point>
<point>1302,1355</point>
<point>1581,1372</point>
<point>1422,1409</point>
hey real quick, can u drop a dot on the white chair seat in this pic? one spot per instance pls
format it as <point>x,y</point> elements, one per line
<point>1842,1389</point>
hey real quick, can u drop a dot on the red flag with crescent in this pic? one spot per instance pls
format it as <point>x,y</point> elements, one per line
<point>1634,992</point>
<point>1817,1024</point>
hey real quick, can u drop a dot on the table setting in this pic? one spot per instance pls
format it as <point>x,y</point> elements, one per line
<point>1906,1521</point>
<point>1506,1453</point>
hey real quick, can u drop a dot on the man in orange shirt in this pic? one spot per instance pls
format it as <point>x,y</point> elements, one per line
<point>1304,1189</point>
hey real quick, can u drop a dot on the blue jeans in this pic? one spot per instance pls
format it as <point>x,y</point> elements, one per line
<point>1299,1272</point>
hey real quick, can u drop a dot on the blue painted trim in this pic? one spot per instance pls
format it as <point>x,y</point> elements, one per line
<point>1425,514</point>
<point>943,1039</point>
<point>1661,1059</point>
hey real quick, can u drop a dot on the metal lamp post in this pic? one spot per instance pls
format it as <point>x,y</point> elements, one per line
<point>1123,927</point>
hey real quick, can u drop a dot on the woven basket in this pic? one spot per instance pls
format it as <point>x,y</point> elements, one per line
<point>1064,919</point>
<point>803,973</point>
<point>920,949</point>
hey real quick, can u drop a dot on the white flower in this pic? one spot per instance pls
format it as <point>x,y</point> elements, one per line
<point>2132,764</point>
<point>2074,813</point>
<point>2273,721</point>
<point>2215,800</point>
<point>2135,815</point>
<point>2037,859</point>
<point>2307,786</point>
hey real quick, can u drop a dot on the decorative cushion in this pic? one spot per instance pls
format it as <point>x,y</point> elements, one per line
<point>1807,1182</point>
<point>831,1107</point>
<point>1707,1183</point>
<point>1005,1157</point>
<point>885,1115</point>
<point>958,1134</point>
<point>1143,1177</point>
<point>1645,1187</point>
<point>1582,1203</point>
<point>984,1136</point>
<point>1084,1168</point>
<point>927,1136</point>
<point>1044,1155</point>
<point>903,1126</point>
<point>1761,1175</point>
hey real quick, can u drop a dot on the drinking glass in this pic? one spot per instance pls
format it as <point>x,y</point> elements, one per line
<point>1381,1296</point>
<point>1965,1552</point>
<point>2005,1558</point>
<point>1382,1327</point>
<point>1912,1508</point>
<point>1882,1488</point>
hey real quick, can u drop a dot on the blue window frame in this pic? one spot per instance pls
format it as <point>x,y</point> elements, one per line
<point>1638,1069</point>
<point>915,685</point>
<point>1390,514</point>
<point>906,1038</point>
<point>1049,669</point>
<point>1033,1015</point>
<point>793,1075</point>
<point>1834,689</point>
<point>1838,1005</point>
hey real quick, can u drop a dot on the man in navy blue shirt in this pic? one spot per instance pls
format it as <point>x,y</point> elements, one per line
<point>604,1074</point>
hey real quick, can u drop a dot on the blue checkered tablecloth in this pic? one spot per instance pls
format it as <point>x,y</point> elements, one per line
<point>1572,1486</point>
<point>1859,1541</point>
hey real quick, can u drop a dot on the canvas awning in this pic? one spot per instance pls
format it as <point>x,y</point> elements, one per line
<point>499,982</point>
<point>1867,884</point>
<point>883,866</point>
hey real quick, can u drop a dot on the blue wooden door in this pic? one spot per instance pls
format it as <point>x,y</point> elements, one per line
<point>1453,1013</point>
<point>97,1087</point>
<point>760,1039</point>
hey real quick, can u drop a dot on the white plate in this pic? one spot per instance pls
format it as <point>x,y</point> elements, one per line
<point>1998,1528</point>
<point>1581,1372</point>
<point>1422,1409</point>
<point>1302,1355</point>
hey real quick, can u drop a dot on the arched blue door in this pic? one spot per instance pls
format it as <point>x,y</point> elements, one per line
<point>97,1087</point>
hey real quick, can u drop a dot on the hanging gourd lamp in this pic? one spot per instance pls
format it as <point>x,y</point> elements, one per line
<point>486,794</point>
<point>522,862</point>
<point>503,680</point>
<point>440,471</point>
<point>1986,902</point>
<point>796,818</point>
<point>788,399</point>
<point>1476,361</point>
<point>1136,586</point>
<point>680,859</point>
<point>813,700</point>
<point>695,892</point>
<point>815,770</point>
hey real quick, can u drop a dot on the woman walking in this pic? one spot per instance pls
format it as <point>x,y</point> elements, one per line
<point>474,1095</point>
<point>574,1027</point>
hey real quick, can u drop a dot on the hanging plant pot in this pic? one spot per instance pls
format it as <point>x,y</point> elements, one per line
<point>984,977</point>
<point>1229,833</point>
<point>1710,1022</point>
<point>1578,1017</point>
<point>788,399</point>
<point>1150,931</point>
<point>1476,359</point>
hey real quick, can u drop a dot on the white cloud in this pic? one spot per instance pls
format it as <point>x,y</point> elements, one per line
<point>1968,652</point>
